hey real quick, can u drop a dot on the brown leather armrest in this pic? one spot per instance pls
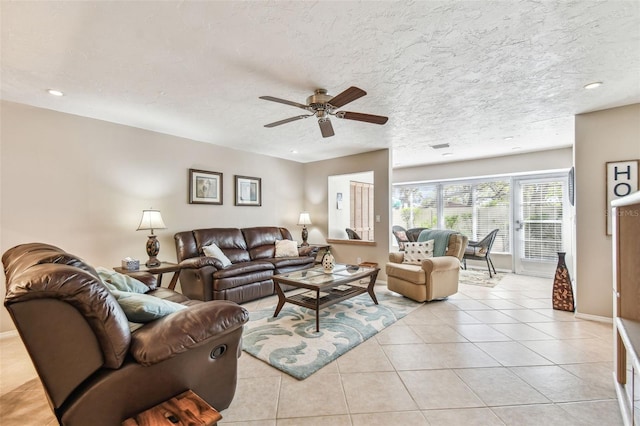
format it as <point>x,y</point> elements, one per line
<point>169,336</point>
<point>199,262</point>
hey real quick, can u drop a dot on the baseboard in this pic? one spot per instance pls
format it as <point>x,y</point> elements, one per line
<point>8,334</point>
<point>590,317</point>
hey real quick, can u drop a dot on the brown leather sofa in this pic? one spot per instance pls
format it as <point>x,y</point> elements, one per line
<point>252,254</point>
<point>94,369</point>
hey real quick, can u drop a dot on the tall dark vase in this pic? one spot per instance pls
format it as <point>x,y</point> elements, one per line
<point>562,291</point>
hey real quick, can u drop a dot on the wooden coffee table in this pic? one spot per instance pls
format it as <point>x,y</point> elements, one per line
<point>345,282</point>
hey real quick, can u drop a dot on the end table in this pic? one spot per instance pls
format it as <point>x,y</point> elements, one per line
<point>185,409</point>
<point>164,267</point>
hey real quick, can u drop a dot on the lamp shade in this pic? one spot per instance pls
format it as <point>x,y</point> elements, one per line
<point>304,219</point>
<point>151,219</point>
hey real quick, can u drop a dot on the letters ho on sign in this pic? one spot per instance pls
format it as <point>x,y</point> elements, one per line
<point>622,180</point>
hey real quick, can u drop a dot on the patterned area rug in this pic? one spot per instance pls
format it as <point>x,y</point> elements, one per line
<point>481,278</point>
<point>290,342</point>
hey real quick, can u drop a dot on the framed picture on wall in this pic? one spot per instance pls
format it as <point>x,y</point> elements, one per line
<point>248,191</point>
<point>205,187</point>
<point>622,180</point>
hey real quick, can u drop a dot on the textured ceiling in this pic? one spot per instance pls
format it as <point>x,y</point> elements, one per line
<point>472,74</point>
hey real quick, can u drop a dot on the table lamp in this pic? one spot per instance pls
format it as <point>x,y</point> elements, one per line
<point>304,220</point>
<point>151,219</point>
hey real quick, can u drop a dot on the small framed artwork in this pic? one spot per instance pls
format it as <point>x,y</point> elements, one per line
<point>622,180</point>
<point>248,191</point>
<point>205,187</point>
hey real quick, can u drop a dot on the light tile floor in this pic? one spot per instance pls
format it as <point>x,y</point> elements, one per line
<point>485,356</point>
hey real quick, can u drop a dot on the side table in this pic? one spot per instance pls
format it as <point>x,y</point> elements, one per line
<point>184,409</point>
<point>164,267</point>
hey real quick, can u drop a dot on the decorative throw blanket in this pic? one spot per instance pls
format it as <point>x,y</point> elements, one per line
<point>440,239</point>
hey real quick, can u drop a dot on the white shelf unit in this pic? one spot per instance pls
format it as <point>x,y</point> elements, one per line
<point>626,304</point>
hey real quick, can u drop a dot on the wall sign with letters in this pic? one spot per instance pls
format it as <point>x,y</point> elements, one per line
<point>622,180</point>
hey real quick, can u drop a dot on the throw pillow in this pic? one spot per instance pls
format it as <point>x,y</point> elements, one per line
<point>116,281</point>
<point>143,307</point>
<point>415,253</point>
<point>286,248</point>
<point>215,252</point>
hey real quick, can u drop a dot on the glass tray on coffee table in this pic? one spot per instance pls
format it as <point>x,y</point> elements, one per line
<point>325,289</point>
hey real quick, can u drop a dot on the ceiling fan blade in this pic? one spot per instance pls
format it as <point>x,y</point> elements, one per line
<point>358,116</point>
<point>287,120</point>
<point>349,95</point>
<point>284,101</point>
<point>326,128</point>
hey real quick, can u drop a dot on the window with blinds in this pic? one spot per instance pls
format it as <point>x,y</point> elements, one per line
<point>415,206</point>
<point>542,220</point>
<point>471,208</point>
<point>361,215</point>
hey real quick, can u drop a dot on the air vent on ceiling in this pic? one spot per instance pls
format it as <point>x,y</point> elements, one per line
<point>440,146</point>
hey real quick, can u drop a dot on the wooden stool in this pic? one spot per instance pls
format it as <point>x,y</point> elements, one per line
<point>182,410</point>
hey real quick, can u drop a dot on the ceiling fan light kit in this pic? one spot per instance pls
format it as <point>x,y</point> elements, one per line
<point>322,106</point>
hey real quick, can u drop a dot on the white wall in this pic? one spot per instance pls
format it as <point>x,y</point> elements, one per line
<point>81,184</point>
<point>511,164</point>
<point>340,219</point>
<point>601,136</point>
<point>316,175</point>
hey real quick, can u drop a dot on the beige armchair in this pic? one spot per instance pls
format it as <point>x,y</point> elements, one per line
<point>434,278</point>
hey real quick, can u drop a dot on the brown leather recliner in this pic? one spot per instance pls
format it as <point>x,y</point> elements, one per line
<point>94,369</point>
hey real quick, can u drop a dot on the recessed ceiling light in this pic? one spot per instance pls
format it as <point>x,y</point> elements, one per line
<point>447,154</point>
<point>508,138</point>
<point>516,147</point>
<point>440,146</point>
<point>55,92</point>
<point>593,85</point>
<point>293,151</point>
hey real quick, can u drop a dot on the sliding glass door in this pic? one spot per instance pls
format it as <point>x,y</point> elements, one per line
<point>541,224</point>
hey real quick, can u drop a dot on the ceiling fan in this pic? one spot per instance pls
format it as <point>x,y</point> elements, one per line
<point>322,105</point>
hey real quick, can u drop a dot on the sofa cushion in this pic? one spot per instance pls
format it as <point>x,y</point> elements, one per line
<point>117,281</point>
<point>243,268</point>
<point>214,251</point>
<point>173,296</point>
<point>286,248</point>
<point>415,253</point>
<point>143,307</point>
<point>261,241</point>
<point>248,278</point>
<point>407,272</point>
<point>229,240</point>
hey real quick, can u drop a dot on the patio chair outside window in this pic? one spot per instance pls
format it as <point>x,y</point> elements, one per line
<point>353,235</point>
<point>481,250</point>
<point>401,236</point>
